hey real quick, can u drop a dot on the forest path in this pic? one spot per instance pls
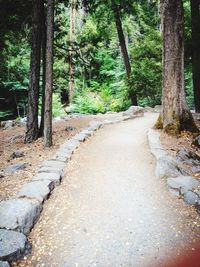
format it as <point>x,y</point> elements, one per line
<point>110,209</point>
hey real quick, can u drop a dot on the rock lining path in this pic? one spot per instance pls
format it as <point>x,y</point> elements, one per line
<point>110,209</point>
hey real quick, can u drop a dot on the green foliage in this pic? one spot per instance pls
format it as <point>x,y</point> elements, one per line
<point>189,86</point>
<point>88,103</point>
<point>146,77</point>
<point>99,72</point>
<point>187,33</point>
<point>5,114</point>
<point>58,109</point>
<point>16,63</point>
<point>98,102</point>
<point>14,77</point>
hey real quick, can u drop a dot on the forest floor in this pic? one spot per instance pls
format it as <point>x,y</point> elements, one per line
<point>110,210</point>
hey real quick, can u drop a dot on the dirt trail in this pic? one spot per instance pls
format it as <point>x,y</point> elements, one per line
<point>110,209</point>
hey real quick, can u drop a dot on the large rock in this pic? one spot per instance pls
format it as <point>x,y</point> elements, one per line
<point>53,177</point>
<point>196,141</point>
<point>134,111</point>
<point>4,264</point>
<point>17,138</point>
<point>124,118</point>
<point>7,124</point>
<point>188,157</point>
<point>107,122</point>
<point>19,214</point>
<point>38,190</point>
<point>155,144</point>
<point>57,119</point>
<point>197,205</point>
<point>158,108</point>
<point>51,170</point>
<point>178,181</point>
<point>149,109</point>
<point>182,184</point>
<point>71,145</point>
<point>53,164</point>
<point>62,155</point>
<point>15,168</point>
<point>70,129</point>
<point>22,121</point>
<point>191,198</point>
<point>195,115</point>
<point>76,115</point>
<point>81,137</point>
<point>87,132</point>
<point>94,125</point>
<point>12,246</point>
<point>17,154</point>
<point>196,169</point>
<point>168,167</point>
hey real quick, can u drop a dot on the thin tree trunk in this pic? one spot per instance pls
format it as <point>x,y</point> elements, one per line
<point>195,14</point>
<point>44,44</point>
<point>49,76</point>
<point>82,23</point>
<point>123,46</point>
<point>71,40</point>
<point>33,95</point>
<point>175,115</point>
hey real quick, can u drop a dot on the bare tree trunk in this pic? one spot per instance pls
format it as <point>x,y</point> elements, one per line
<point>71,40</point>
<point>195,14</point>
<point>123,46</point>
<point>175,115</point>
<point>33,95</point>
<point>49,75</point>
<point>44,44</point>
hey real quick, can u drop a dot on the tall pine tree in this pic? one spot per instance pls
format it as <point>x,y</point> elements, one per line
<point>175,115</point>
<point>195,14</point>
<point>33,95</point>
<point>49,75</point>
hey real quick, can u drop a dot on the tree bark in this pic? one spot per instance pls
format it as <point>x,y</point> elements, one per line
<point>123,46</point>
<point>44,44</point>
<point>195,14</point>
<point>49,75</point>
<point>175,115</point>
<point>71,40</point>
<point>33,95</point>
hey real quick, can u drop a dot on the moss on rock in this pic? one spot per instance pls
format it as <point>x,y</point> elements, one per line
<point>159,123</point>
<point>173,128</point>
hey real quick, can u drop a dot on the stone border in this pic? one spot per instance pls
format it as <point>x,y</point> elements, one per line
<point>19,215</point>
<point>179,182</point>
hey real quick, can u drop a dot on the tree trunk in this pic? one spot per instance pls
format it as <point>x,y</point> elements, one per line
<point>175,115</point>
<point>44,44</point>
<point>33,95</point>
<point>49,76</point>
<point>123,46</point>
<point>195,14</point>
<point>71,40</point>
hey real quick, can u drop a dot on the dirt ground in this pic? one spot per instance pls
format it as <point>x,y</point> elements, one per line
<point>12,140</point>
<point>174,144</point>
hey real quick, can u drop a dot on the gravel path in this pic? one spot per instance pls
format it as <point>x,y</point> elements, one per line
<point>110,209</point>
